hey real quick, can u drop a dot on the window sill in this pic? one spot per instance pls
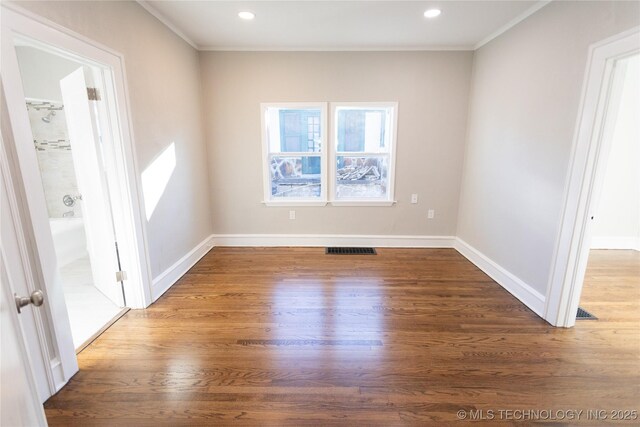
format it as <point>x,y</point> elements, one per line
<point>363,202</point>
<point>294,203</point>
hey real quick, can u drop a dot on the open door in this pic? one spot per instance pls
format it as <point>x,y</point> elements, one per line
<point>20,404</point>
<point>89,167</point>
<point>47,330</point>
<point>22,386</point>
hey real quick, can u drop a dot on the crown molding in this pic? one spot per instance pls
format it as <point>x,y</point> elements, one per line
<point>515,21</point>
<point>167,22</point>
<point>336,49</point>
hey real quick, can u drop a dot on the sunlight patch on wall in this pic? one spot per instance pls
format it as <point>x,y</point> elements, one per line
<point>156,177</point>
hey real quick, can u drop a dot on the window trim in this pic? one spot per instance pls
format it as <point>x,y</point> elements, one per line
<point>333,154</point>
<point>268,200</point>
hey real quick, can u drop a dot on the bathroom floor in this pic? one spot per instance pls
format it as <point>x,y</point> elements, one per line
<point>89,310</point>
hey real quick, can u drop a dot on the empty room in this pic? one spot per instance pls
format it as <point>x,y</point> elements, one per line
<point>320,212</point>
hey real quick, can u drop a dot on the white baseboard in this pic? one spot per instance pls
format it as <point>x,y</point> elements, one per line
<point>615,242</point>
<point>171,275</point>
<point>516,287</point>
<point>379,241</point>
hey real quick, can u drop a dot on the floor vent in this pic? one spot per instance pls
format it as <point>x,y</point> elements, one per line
<point>584,315</point>
<point>350,251</point>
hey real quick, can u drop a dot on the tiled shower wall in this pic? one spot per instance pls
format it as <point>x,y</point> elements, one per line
<point>53,149</point>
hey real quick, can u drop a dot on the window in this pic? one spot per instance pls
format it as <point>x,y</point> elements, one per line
<point>363,160</point>
<point>362,151</point>
<point>294,153</point>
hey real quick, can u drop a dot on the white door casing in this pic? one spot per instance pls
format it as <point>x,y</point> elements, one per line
<point>585,177</point>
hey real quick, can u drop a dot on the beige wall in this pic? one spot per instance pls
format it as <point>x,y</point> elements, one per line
<point>163,77</point>
<point>431,89</point>
<point>524,105</point>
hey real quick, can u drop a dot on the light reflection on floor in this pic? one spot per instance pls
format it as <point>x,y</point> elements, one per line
<point>333,321</point>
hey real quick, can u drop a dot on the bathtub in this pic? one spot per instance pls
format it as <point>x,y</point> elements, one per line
<point>69,239</point>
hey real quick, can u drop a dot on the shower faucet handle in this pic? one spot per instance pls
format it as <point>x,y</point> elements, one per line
<point>70,201</point>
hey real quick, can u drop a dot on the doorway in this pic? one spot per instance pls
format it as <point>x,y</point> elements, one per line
<point>607,64</point>
<point>91,199</point>
<point>612,281</point>
<point>71,166</point>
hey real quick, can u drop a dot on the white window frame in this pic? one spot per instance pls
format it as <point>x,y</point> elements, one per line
<point>266,163</point>
<point>393,133</point>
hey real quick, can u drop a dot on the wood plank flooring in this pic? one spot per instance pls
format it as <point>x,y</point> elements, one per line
<point>290,336</point>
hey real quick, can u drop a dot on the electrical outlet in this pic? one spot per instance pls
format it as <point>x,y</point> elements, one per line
<point>292,214</point>
<point>414,198</point>
<point>431,213</point>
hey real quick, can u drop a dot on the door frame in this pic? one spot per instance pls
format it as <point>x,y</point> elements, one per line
<point>590,149</point>
<point>130,215</point>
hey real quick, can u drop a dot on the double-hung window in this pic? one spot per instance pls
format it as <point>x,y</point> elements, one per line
<point>361,151</point>
<point>294,151</point>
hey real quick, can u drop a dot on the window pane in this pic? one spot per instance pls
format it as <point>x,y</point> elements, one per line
<point>362,130</point>
<point>297,177</point>
<point>294,130</point>
<point>361,177</point>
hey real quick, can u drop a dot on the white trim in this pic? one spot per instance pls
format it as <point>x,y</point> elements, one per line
<point>372,203</point>
<point>584,177</point>
<point>170,276</point>
<point>443,48</point>
<point>315,240</point>
<point>615,242</point>
<point>515,21</point>
<point>513,284</point>
<point>15,7</point>
<point>298,202</point>
<point>167,22</point>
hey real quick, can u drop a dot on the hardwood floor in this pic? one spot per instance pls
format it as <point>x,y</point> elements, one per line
<point>273,336</point>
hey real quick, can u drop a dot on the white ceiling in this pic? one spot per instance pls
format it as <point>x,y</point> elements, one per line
<point>340,25</point>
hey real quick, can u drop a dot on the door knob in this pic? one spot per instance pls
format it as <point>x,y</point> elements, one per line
<point>36,298</point>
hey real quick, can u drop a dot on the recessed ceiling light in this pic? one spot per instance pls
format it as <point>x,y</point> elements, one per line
<point>248,16</point>
<point>432,13</point>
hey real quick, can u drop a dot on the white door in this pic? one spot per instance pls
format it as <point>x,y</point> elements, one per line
<point>20,402</point>
<point>88,164</point>
<point>19,405</point>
